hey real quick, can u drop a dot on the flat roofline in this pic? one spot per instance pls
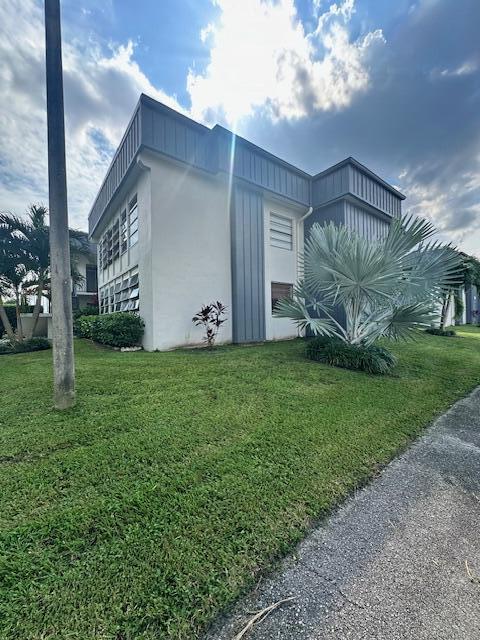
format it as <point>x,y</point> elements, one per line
<point>351,160</point>
<point>163,108</point>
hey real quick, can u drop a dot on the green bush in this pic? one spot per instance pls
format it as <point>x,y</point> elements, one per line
<point>25,346</point>
<point>371,359</point>
<point>118,329</point>
<point>436,331</point>
<point>82,326</point>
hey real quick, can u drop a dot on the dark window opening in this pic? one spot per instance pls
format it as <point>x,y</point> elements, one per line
<point>280,290</point>
<point>91,277</point>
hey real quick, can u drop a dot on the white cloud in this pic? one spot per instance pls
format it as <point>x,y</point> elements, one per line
<point>101,91</point>
<point>262,58</point>
<point>453,208</point>
<point>467,68</point>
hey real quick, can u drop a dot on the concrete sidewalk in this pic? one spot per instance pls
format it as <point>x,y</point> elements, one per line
<point>394,561</point>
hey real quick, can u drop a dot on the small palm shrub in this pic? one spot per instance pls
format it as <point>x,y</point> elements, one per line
<point>338,353</point>
<point>117,329</point>
<point>24,346</point>
<point>436,331</point>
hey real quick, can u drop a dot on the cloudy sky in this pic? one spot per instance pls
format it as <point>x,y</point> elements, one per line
<point>394,83</point>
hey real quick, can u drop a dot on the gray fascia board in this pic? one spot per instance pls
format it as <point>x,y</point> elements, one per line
<point>354,199</point>
<point>361,167</point>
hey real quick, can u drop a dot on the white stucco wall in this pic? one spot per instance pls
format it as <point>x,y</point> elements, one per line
<point>281,265</point>
<point>189,261</point>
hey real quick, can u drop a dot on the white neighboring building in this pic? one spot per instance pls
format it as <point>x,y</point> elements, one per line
<point>187,215</point>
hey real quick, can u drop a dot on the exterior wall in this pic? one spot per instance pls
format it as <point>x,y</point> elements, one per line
<point>204,203</point>
<point>247,266</point>
<point>330,185</point>
<point>373,192</point>
<point>281,265</point>
<point>258,167</point>
<point>186,254</point>
<point>365,223</point>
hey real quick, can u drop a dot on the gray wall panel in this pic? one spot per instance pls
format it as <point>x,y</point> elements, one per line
<point>248,280</point>
<point>366,224</point>
<point>329,186</point>
<point>162,129</point>
<point>118,168</point>
<point>334,212</point>
<point>373,192</point>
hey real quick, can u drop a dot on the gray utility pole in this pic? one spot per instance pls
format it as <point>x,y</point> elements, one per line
<point>63,358</point>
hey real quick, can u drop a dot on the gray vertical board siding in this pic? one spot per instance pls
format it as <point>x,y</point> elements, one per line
<point>373,192</point>
<point>250,163</point>
<point>118,168</point>
<point>365,223</point>
<point>330,185</point>
<point>157,127</point>
<point>334,212</point>
<point>175,135</point>
<point>248,280</point>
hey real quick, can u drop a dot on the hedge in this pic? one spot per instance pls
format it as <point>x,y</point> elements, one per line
<point>115,329</point>
<point>25,346</point>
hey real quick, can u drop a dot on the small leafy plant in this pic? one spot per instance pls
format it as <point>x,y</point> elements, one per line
<point>360,357</point>
<point>211,317</point>
<point>437,331</point>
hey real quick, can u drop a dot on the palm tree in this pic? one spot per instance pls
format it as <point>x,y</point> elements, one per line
<point>26,248</point>
<point>384,288</point>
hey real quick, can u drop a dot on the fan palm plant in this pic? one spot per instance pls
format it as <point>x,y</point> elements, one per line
<point>25,258</point>
<point>384,288</point>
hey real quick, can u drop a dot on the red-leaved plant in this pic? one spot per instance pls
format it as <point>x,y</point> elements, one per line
<point>211,317</point>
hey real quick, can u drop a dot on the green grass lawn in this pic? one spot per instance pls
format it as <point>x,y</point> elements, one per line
<point>179,477</point>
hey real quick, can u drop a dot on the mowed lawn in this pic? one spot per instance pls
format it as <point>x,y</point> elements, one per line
<point>179,477</point>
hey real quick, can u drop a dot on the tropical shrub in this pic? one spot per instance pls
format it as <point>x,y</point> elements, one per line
<point>24,346</point>
<point>82,326</point>
<point>116,329</point>
<point>384,288</point>
<point>437,331</point>
<point>338,353</point>
<point>211,317</point>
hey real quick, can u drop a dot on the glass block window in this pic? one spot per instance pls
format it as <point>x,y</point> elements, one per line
<point>281,232</point>
<point>133,221</point>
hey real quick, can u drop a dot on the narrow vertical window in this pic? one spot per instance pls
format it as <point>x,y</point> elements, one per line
<point>123,232</point>
<point>133,221</point>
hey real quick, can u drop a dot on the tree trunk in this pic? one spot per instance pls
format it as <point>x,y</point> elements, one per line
<point>443,315</point>
<point>19,317</point>
<point>38,304</point>
<point>6,323</point>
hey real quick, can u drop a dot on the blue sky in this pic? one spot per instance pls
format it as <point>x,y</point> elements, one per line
<point>396,84</point>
